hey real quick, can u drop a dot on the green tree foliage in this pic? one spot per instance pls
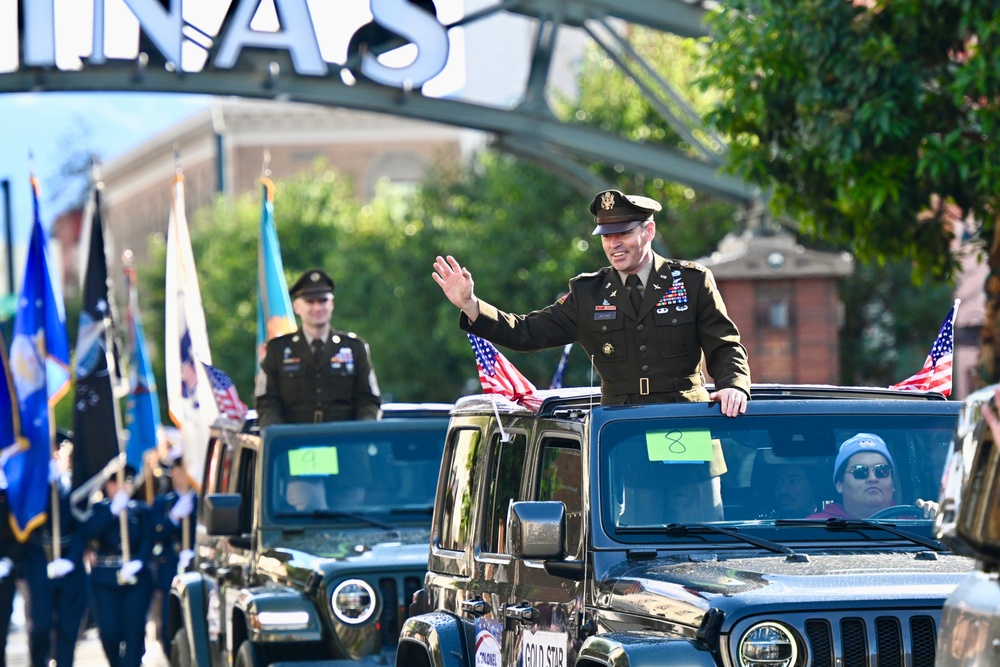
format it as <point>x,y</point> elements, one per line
<point>865,118</point>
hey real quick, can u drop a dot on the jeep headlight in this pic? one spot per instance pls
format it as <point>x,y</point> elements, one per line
<point>768,644</point>
<point>354,601</point>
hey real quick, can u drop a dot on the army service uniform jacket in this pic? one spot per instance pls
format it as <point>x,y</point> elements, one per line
<point>293,388</point>
<point>653,356</point>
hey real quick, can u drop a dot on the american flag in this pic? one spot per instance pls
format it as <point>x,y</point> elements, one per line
<point>497,374</point>
<point>226,397</point>
<point>936,373</point>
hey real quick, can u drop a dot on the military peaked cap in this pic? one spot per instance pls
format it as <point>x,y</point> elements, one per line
<point>615,212</point>
<point>313,282</point>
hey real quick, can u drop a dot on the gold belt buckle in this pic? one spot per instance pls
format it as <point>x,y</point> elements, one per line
<point>644,386</point>
<point>317,416</point>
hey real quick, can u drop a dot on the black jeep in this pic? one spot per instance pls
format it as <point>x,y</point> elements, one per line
<point>311,540</point>
<point>671,535</point>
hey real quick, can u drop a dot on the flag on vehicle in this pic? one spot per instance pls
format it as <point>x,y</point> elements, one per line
<point>497,374</point>
<point>39,366</point>
<point>95,414</point>
<point>275,316</point>
<point>189,396</point>
<point>142,414</point>
<point>226,397</point>
<point>557,377</point>
<point>936,374</point>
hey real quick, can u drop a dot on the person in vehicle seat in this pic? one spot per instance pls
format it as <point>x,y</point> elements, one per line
<point>864,476</point>
<point>316,374</point>
<point>645,320</point>
<point>793,493</point>
<point>306,494</point>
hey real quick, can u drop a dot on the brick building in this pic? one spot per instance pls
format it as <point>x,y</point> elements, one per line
<point>784,299</point>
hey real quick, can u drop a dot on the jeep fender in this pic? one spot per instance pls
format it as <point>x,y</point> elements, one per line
<point>189,596</point>
<point>634,649</point>
<point>443,631</point>
<point>279,615</point>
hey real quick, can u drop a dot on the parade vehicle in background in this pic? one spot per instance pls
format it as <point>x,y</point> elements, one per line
<point>588,535</point>
<point>311,541</point>
<point>969,522</point>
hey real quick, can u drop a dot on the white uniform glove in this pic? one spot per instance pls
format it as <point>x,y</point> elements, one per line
<point>6,565</point>
<point>60,567</point>
<point>182,508</point>
<point>130,569</point>
<point>54,474</point>
<point>118,502</point>
<point>184,559</point>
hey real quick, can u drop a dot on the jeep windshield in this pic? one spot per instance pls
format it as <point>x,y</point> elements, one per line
<point>347,476</point>
<point>777,463</point>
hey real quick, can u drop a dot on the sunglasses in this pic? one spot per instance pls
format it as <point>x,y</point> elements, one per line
<point>882,470</point>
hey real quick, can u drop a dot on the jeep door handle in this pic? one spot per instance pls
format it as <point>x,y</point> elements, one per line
<point>524,613</point>
<point>476,607</point>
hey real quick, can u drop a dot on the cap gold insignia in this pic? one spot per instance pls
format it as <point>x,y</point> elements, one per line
<point>608,201</point>
<point>608,349</point>
<point>314,276</point>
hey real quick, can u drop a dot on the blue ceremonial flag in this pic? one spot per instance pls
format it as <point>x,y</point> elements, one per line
<point>275,316</point>
<point>10,427</point>
<point>143,407</point>
<point>39,362</point>
<point>95,414</point>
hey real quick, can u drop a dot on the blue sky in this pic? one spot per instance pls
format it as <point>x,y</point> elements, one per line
<point>46,126</point>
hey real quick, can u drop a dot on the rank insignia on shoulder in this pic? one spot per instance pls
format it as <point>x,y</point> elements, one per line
<point>608,349</point>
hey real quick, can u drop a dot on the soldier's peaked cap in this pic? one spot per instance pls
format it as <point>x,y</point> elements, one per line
<point>615,212</point>
<point>314,282</point>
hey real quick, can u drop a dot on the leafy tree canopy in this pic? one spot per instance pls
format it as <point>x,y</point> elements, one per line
<point>866,119</point>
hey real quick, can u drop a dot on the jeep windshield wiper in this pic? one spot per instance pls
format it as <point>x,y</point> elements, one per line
<point>335,514</point>
<point>681,529</point>
<point>864,524</point>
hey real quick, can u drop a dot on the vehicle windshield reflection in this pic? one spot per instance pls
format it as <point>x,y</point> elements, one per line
<point>761,469</point>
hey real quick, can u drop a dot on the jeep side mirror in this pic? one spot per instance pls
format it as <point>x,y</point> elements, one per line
<point>222,513</point>
<point>536,530</point>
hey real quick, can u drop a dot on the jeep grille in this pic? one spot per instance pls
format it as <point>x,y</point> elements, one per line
<point>866,641</point>
<point>396,593</point>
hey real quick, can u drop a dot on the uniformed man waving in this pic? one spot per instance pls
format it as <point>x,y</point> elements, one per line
<point>644,320</point>
<point>316,374</point>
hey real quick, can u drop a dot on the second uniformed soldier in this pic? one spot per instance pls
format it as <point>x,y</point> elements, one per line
<point>644,320</point>
<point>316,374</point>
<point>173,541</point>
<point>120,581</point>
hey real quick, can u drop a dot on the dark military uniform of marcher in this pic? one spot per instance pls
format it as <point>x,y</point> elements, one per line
<point>57,586</point>
<point>170,513</point>
<point>10,557</point>
<point>121,589</point>
<point>646,352</point>
<point>316,374</point>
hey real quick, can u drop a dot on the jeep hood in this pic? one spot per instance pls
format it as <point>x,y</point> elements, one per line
<point>682,590</point>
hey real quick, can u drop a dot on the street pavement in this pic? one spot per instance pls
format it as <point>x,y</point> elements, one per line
<point>88,649</point>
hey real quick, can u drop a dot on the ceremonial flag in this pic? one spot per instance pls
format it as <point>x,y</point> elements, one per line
<point>95,414</point>
<point>936,373</point>
<point>11,441</point>
<point>226,397</point>
<point>39,364</point>
<point>557,377</point>
<point>497,374</point>
<point>189,396</point>
<point>275,316</point>
<point>142,407</point>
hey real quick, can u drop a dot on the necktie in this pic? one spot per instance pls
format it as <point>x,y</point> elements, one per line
<point>317,348</point>
<point>632,282</point>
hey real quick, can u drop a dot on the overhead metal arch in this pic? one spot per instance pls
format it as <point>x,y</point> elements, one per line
<point>528,127</point>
